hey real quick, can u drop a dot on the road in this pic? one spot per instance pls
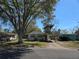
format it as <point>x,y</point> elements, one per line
<point>50,53</point>
<point>53,51</point>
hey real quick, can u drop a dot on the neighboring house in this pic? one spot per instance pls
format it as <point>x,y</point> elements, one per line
<point>41,36</point>
<point>14,37</point>
<point>7,36</point>
<point>37,36</point>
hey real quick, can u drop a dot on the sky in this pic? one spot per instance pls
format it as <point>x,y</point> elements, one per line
<point>67,14</point>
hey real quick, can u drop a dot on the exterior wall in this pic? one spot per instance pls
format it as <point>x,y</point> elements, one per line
<point>37,37</point>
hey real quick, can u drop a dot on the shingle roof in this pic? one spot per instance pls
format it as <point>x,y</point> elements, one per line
<point>36,33</point>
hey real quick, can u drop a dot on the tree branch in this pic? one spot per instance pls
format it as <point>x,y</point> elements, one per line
<point>10,18</point>
<point>27,12</point>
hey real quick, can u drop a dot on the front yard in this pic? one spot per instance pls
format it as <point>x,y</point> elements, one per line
<point>26,44</point>
<point>70,44</point>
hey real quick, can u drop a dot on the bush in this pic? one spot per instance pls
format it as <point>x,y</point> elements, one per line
<point>64,38</point>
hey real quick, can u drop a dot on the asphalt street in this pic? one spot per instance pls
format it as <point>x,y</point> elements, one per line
<point>48,53</point>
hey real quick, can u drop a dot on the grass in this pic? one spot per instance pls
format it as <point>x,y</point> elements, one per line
<point>26,44</point>
<point>71,44</point>
<point>38,44</point>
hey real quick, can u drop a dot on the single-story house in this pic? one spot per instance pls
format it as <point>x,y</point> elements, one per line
<point>37,36</point>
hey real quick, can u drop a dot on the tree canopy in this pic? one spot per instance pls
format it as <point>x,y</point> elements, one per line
<point>21,12</point>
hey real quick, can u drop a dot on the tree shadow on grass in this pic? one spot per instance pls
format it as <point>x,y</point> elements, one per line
<point>14,53</point>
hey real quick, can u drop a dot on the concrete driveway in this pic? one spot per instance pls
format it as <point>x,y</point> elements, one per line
<point>48,53</point>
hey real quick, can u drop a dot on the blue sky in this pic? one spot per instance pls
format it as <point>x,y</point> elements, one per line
<point>67,14</point>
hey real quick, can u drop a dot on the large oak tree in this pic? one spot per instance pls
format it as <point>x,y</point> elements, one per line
<point>20,13</point>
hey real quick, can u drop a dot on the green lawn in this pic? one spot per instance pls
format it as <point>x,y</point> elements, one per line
<point>38,44</point>
<point>26,44</point>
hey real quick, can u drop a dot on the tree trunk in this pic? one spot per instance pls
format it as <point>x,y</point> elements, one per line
<point>48,38</point>
<point>20,41</point>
